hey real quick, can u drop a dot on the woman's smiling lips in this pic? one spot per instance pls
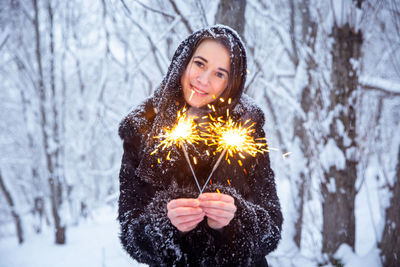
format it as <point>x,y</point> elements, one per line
<point>197,90</point>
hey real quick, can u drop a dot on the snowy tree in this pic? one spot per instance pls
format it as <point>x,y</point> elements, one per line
<point>14,213</point>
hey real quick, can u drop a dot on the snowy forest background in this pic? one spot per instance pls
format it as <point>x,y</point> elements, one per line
<point>326,73</point>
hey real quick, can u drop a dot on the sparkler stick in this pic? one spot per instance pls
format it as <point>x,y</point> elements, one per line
<point>184,131</point>
<point>191,95</point>
<point>213,170</point>
<point>190,165</point>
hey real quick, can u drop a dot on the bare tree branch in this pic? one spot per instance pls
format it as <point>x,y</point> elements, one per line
<point>203,13</point>
<point>190,30</point>
<point>151,9</point>
<point>383,86</point>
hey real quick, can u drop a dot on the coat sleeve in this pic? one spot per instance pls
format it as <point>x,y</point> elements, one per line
<point>146,232</point>
<point>256,228</point>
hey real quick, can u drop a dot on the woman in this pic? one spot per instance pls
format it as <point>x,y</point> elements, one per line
<point>163,223</point>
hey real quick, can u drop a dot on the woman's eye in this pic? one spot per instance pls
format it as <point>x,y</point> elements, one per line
<point>220,75</point>
<point>199,63</point>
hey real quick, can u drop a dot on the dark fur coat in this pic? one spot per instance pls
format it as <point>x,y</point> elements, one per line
<point>147,185</point>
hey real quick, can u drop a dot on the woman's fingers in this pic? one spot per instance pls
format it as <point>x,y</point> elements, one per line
<point>219,213</point>
<point>187,226</point>
<point>219,209</point>
<point>216,197</point>
<point>187,219</point>
<point>182,211</point>
<point>183,202</point>
<point>220,205</point>
<point>186,213</point>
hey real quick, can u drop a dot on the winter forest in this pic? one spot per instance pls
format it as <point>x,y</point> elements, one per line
<point>326,74</point>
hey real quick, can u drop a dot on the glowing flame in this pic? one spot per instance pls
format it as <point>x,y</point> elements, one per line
<point>185,131</point>
<point>234,137</point>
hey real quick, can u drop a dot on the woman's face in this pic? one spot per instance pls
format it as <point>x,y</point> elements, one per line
<point>207,73</point>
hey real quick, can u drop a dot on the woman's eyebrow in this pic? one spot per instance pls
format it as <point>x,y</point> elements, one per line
<point>224,70</point>
<point>202,58</point>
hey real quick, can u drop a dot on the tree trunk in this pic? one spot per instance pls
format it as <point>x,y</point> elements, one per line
<point>14,213</point>
<point>231,13</point>
<point>38,201</point>
<point>338,186</point>
<point>49,132</point>
<point>308,104</point>
<point>390,242</point>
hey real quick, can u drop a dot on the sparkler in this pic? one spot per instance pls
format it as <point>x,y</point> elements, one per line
<point>229,137</point>
<point>232,138</point>
<point>185,131</point>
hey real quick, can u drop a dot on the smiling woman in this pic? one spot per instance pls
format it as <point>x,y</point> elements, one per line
<point>237,221</point>
<point>207,74</point>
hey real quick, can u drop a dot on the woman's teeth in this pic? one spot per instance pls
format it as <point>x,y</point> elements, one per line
<point>198,91</point>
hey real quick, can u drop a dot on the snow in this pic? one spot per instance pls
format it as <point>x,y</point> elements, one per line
<point>93,243</point>
<point>367,217</point>
<point>350,259</point>
<point>391,86</point>
<point>332,156</point>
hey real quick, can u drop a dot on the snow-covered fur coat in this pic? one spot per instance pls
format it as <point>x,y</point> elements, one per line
<point>149,181</point>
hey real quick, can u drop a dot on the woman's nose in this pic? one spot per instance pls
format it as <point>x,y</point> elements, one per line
<point>203,78</point>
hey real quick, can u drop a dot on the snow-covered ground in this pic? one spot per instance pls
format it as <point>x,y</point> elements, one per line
<point>93,243</point>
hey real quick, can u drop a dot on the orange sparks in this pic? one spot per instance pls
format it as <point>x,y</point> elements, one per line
<point>221,99</point>
<point>234,137</point>
<point>194,160</point>
<point>184,131</point>
<point>211,181</point>
<point>218,191</point>
<point>229,182</point>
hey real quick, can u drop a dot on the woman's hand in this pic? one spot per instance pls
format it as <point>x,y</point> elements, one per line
<point>185,213</point>
<point>219,209</point>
